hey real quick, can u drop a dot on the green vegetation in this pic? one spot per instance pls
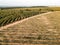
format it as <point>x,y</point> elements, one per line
<point>8,16</point>
<point>14,14</point>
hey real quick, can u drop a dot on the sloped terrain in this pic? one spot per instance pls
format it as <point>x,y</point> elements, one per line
<point>42,29</point>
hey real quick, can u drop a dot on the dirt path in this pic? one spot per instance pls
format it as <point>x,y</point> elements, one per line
<point>44,18</point>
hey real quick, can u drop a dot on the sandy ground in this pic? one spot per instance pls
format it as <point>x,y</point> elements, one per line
<point>48,23</point>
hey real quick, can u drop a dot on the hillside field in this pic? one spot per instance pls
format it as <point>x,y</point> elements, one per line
<point>42,29</point>
<point>30,26</point>
<point>10,15</point>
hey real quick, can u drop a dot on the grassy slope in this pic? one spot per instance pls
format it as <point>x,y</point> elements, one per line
<point>41,29</point>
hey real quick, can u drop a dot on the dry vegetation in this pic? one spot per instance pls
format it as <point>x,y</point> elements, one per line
<point>42,29</point>
<point>55,8</point>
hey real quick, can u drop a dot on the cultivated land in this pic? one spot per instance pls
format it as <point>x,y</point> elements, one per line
<point>10,15</point>
<point>42,29</point>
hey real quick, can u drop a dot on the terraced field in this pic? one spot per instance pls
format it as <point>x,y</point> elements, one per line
<point>42,29</point>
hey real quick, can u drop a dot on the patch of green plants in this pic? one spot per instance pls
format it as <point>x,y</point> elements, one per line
<point>11,15</point>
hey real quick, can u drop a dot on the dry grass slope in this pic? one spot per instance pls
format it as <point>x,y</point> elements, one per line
<point>43,29</point>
